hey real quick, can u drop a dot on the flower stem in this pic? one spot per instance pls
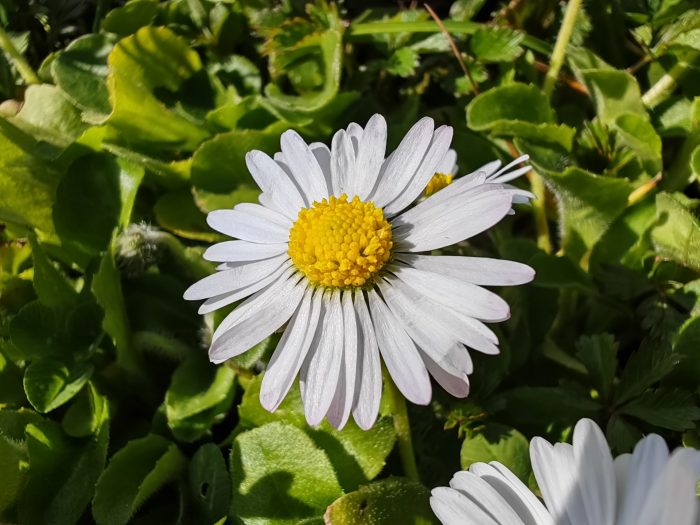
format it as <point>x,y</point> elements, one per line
<point>557,59</point>
<point>22,66</point>
<point>402,428</point>
<point>539,210</point>
<point>667,83</point>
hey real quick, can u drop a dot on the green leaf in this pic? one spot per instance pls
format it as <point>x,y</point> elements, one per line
<point>677,235</point>
<point>589,204</point>
<point>645,367</point>
<point>599,355</point>
<point>687,345</point>
<point>512,102</point>
<point>640,136</point>
<point>177,212</point>
<point>13,452</point>
<point>153,59</point>
<point>496,44</point>
<point>62,474</point>
<point>34,331</point>
<point>671,409</point>
<point>626,241</point>
<point>87,414</point>
<point>357,455</point>
<point>50,117</point>
<point>199,395</point>
<point>386,502</point>
<point>498,443</point>
<point>280,476</point>
<point>80,70</point>
<point>134,474</point>
<point>614,92</point>
<point>403,62</point>
<point>210,483</point>
<point>94,197</point>
<point>49,383</point>
<point>131,17</point>
<point>27,183</point>
<point>219,164</point>
<point>51,286</point>
<point>107,288</point>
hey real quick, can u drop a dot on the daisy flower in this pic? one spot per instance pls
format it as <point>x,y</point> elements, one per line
<point>581,485</point>
<point>333,252</point>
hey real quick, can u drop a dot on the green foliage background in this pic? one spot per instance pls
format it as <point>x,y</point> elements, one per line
<point>136,124</point>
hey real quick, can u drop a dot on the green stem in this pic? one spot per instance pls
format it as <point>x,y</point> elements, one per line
<point>559,53</point>
<point>667,83</point>
<point>100,10</point>
<point>539,209</point>
<point>452,26</point>
<point>402,428</point>
<point>22,66</point>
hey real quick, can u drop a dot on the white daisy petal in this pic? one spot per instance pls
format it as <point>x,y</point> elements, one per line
<point>454,384</point>
<point>238,276</point>
<point>321,370</point>
<point>464,220</point>
<point>454,508</point>
<point>642,468</point>
<point>596,475</point>
<point>304,166</point>
<point>553,467</point>
<point>400,354</point>
<point>342,161</point>
<point>436,151</point>
<point>345,393</point>
<point>266,214</point>
<point>219,301</point>
<point>323,157</point>
<point>280,192</point>
<point>672,498</point>
<point>247,227</point>
<point>251,330</point>
<point>486,496</point>
<point>291,351</point>
<point>370,155</point>
<point>369,375</point>
<point>476,270</point>
<point>448,164</point>
<point>354,131</point>
<point>402,164</point>
<point>241,251</point>
<point>503,175</point>
<point>466,298</point>
<point>519,497</point>
<point>457,326</point>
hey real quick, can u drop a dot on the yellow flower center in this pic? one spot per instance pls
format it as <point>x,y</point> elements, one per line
<point>340,243</point>
<point>438,182</point>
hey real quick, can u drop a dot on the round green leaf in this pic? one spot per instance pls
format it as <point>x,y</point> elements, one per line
<point>178,213</point>
<point>49,383</point>
<point>81,72</point>
<point>512,102</point>
<point>134,474</point>
<point>200,394</point>
<point>498,443</point>
<point>280,476</point>
<point>130,18</point>
<point>387,502</point>
<point>34,331</point>
<point>210,483</point>
<point>219,164</point>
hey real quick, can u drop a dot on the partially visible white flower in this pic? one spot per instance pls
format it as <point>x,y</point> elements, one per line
<point>333,251</point>
<point>581,485</point>
<point>491,173</point>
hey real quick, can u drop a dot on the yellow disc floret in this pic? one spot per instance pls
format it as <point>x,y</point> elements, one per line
<point>340,243</point>
<point>438,182</point>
